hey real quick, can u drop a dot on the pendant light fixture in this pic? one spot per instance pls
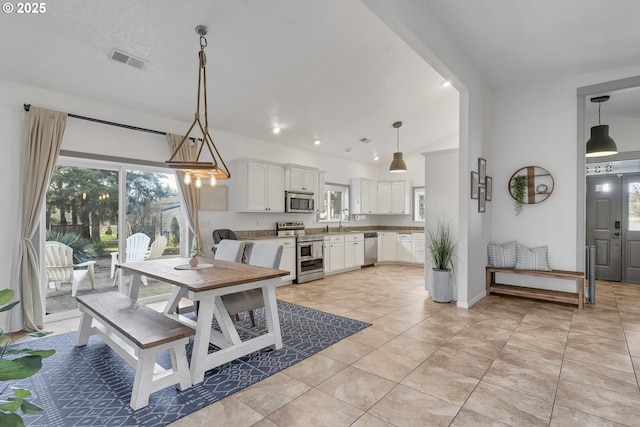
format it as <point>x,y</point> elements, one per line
<point>209,168</point>
<point>600,143</point>
<point>397,165</point>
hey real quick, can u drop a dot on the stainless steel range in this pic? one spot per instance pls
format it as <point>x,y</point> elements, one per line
<point>309,251</point>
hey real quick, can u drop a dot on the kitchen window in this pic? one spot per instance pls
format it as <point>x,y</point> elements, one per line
<point>336,203</point>
<point>418,204</point>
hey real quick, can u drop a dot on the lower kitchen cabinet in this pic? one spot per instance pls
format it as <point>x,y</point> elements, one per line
<point>336,253</point>
<point>387,247</point>
<point>343,252</point>
<point>418,247</point>
<point>403,248</point>
<point>353,250</point>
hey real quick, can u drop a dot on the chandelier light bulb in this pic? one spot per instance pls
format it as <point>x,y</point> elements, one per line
<point>187,178</point>
<point>212,181</point>
<point>198,182</point>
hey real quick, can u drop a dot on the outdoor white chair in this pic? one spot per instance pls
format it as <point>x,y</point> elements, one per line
<point>60,268</point>
<point>157,247</point>
<point>137,249</point>
<point>263,254</point>
<point>230,250</point>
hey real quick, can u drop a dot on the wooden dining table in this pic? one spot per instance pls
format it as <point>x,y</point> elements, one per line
<point>206,283</point>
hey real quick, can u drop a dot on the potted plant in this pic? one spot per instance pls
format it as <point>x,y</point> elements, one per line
<point>519,192</point>
<point>442,248</point>
<point>196,251</point>
<point>16,364</point>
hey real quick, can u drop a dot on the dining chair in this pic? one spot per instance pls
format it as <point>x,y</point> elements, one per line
<point>230,250</point>
<point>60,268</point>
<point>263,254</point>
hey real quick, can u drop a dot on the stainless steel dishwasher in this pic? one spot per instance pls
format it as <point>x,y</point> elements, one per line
<point>370,249</point>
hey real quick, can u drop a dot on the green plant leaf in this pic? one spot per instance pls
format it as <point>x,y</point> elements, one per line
<point>6,295</point>
<point>10,306</point>
<point>20,368</point>
<point>11,420</point>
<point>42,353</point>
<point>21,393</point>
<point>11,405</point>
<point>30,408</point>
<point>39,334</point>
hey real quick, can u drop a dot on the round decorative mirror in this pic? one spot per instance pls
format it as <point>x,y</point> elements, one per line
<point>532,184</point>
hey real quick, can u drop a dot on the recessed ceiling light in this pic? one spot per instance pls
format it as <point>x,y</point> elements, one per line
<point>348,150</point>
<point>445,83</point>
<point>316,142</point>
<point>365,140</point>
<point>376,157</point>
<point>276,130</point>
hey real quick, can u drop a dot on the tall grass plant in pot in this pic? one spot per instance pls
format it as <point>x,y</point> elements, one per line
<point>442,246</point>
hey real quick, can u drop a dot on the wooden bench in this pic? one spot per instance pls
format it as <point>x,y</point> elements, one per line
<point>137,333</point>
<point>542,294</point>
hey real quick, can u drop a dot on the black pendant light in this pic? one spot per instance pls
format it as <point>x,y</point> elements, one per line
<point>398,165</point>
<point>600,143</point>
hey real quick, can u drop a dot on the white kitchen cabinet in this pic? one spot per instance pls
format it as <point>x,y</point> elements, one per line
<point>400,197</point>
<point>353,250</point>
<point>319,202</point>
<point>336,253</point>
<point>288,260</point>
<point>387,247</point>
<point>327,255</point>
<point>418,247</point>
<point>384,198</point>
<point>260,187</point>
<point>404,247</point>
<point>364,196</point>
<point>301,178</point>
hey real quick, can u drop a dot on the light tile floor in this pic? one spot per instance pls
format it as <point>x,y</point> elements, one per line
<point>505,361</point>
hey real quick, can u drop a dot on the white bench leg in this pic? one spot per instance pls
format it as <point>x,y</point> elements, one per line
<point>84,331</point>
<point>181,367</point>
<point>142,385</point>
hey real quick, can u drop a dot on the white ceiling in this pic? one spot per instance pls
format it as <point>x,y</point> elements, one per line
<point>327,69</point>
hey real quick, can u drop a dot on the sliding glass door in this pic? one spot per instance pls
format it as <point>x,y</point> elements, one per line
<point>93,207</point>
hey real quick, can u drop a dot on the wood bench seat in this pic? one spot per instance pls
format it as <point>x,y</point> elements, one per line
<point>542,294</point>
<point>137,333</point>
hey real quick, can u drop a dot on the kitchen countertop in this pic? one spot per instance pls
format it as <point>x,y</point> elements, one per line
<point>260,235</point>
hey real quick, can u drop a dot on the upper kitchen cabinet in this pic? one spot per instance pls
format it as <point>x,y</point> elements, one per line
<point>302,178</point>
<point>400,197</point>
<point>261,186</point>
<point>364,196</point>
<point>385,197</point>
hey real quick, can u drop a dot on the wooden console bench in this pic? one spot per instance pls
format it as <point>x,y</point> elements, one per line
<point>543,294</point>
<point>137,333</point>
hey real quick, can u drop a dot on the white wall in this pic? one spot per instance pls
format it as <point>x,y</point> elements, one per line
<point>536,124</point>
<point>442,203</point>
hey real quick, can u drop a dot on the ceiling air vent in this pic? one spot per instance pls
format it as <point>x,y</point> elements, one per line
<point>365,140</point>
<point>125,58</point>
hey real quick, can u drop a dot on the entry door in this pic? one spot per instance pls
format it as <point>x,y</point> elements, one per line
<point>631,228</point>
<point>604,228</point>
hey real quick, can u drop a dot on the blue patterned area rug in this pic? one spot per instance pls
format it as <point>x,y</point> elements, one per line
<point>91,386</point>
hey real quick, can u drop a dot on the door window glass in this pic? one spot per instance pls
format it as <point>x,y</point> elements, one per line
<point>634,206</point>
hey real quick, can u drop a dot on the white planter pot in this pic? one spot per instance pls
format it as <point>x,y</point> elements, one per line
<point>442,291</point>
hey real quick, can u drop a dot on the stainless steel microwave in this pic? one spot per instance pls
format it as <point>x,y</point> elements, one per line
<point>299,201</point>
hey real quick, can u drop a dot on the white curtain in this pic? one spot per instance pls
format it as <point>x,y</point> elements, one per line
<point>189,193</point>
<point>44,132</point>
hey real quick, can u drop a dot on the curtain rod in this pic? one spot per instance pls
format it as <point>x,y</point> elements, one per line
<point>105,122</point>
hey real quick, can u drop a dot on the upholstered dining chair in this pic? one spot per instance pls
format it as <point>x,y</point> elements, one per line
<point>230,250</point>
<point>263,254</point>
<point>60,268</point>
